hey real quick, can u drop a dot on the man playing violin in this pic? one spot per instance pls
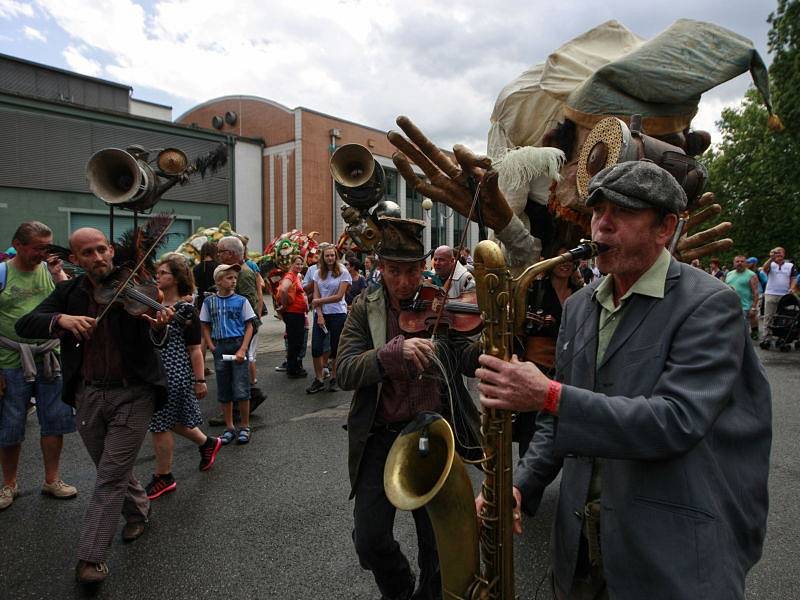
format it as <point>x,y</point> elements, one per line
<point>395,377</point>
<point>113,377</point>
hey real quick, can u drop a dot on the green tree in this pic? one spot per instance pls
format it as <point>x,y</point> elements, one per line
<point>754,171</point>
<point>784,45</point>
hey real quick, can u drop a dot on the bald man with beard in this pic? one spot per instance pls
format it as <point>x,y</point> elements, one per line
<point>113,376</point>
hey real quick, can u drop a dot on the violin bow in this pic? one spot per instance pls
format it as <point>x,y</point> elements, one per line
<point>136,268</point>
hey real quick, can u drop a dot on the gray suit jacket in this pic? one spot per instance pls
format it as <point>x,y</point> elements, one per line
<point>680,411</point>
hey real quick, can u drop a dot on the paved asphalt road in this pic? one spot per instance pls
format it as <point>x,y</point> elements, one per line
<point>272,519</point>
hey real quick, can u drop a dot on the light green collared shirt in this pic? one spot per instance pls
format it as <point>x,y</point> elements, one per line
<point>651,283</point>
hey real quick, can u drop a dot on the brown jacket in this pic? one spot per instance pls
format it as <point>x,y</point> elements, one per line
<point>357,369</point>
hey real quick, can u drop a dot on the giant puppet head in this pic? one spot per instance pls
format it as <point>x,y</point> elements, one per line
<point>278,256</point>
<point>604,97</point>
<point>190,248</point>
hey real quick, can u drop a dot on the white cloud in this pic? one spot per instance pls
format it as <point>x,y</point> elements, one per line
<point>12,8</point>
<point>709,112</point>
<point>441,63</point>
<point>80,63</point>
<point>33,34</point>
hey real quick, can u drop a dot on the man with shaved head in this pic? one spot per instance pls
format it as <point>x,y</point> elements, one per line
<point>113,377</point>
<point>445,264</point>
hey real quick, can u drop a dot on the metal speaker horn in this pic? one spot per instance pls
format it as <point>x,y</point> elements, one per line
<point>358,176</point>
<point>172,162</point>
<point>119,179</point>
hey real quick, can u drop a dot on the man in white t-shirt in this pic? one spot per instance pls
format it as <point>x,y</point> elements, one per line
<point>780,275</point>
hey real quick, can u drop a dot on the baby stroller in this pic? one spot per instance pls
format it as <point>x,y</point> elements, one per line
<point>785,326</point>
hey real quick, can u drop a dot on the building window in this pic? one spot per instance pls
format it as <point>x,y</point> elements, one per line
<point>390,192</point>
<point>438,225</point>
<point>459,225</point>
<point>413,203</point>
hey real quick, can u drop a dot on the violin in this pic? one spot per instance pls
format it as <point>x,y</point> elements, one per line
<point>419,315</point>
<point>136,296</point>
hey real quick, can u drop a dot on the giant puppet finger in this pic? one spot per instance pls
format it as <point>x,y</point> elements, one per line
<point>712,248</point>
<point>470,163</point>
<point>496,211</point>
<point>431,150</point>
<point>457,199</point>
<point>411,151</point>
<point>706,199</point>
<point>434,174</point>
<point>703,237</point>
<point>701,216</point>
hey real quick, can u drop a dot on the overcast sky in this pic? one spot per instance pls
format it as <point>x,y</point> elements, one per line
<point>441,62</point>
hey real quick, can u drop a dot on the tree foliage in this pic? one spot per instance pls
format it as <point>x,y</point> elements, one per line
<point>784,45</point>
<point>755,172</point>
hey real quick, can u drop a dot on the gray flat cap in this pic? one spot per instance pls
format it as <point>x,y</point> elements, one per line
<point>637,184</point>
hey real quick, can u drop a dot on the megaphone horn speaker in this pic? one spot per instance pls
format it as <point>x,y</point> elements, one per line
<point>352,165</point>
<point>115,176</point>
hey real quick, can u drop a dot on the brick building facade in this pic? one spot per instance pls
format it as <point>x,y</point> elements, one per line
<point>298,190</point>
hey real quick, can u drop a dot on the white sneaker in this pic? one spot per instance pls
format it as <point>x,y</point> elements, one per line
<point>59,489</point>
<point>7,495</point>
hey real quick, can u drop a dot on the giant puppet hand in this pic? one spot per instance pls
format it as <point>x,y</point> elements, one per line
<point>448,179</point>
<point>695,244</point>
<point>448,183</point>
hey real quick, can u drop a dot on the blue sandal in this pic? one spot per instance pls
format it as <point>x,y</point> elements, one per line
<point>244,435</point>
<point>227,437</point>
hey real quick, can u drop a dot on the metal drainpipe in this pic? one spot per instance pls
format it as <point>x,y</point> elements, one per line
<point>334,239</point>
<point>231,142</point>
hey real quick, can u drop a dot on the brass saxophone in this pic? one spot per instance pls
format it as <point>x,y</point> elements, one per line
<point>423,469</point>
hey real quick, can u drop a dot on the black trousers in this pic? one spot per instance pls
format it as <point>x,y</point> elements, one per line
<point>373,534</point>
<point>295,328</point>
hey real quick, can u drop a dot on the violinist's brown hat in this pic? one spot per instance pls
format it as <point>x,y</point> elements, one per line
<point>401,240</point>
<point>222,269</point>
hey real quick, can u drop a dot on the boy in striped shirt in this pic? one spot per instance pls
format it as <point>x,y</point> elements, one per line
<point>227,321</point>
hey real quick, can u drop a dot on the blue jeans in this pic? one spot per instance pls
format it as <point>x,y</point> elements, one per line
<point>55,417</point>
<point>334,323</point>
<point>233,379</point>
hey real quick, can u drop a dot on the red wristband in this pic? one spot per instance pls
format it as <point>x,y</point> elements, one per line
<point>553,397</point>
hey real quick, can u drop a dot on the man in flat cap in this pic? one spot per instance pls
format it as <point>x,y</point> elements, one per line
<point>659,418</point>
<point>395,378</point>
